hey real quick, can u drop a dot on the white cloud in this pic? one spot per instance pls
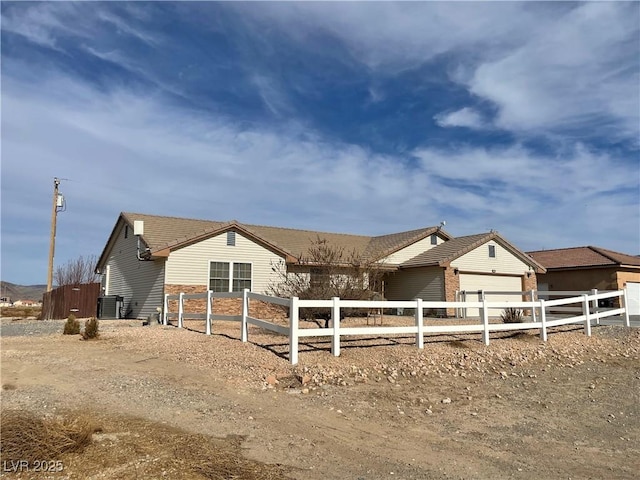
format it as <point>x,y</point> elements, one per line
<point>465,117</point>
<point>580,71</point>
<point>547,67</point>
<point>126,151</point>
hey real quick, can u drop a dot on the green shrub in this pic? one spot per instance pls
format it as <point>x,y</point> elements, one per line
<point>90,328</point>
<point>512,315</point>
<point>71,326</point>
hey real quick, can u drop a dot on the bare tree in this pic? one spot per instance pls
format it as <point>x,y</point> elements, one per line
<point>328,271</point>
<point>77,271</point>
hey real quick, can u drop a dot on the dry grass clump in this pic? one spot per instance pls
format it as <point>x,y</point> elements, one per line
<point>20,312</point>
<point>229,463</point>
<point>90,328</point>
<point>26,436</point>
<point>71,326</point>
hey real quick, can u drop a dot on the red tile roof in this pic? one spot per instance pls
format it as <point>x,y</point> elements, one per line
<point>577,257</point>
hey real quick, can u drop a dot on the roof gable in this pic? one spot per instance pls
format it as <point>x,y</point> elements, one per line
<point>582,257</point>
<point>446,252</point>
<point>385,245</point>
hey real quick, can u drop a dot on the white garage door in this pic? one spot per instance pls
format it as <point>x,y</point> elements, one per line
<point>633,298</point>
<point>490,283</point>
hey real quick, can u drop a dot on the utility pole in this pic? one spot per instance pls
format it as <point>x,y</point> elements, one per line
<point>52,243</point>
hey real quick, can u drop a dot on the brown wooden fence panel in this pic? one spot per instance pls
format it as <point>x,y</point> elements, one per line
<point>81,300</point>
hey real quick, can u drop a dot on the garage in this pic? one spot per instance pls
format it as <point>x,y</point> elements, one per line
<point>633,298</point>
<point>490,283</point>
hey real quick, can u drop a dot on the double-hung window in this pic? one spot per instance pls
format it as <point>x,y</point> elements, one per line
<point>229,276</point>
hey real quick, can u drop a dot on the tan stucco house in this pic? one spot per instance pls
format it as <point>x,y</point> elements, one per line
<point>186,255</point>
<point>586,268</point>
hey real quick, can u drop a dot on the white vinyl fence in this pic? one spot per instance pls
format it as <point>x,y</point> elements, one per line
<point>588,315</point>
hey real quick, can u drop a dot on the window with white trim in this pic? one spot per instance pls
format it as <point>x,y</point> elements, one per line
<point>229,276</point>
<point>241,277</point>
<point>231,239</point>
<point>492,251</point>
<point>434,239</point>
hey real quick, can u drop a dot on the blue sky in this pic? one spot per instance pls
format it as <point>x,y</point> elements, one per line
<point>365,118</point>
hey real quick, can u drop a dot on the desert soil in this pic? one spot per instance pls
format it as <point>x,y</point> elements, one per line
<point>175,403</point>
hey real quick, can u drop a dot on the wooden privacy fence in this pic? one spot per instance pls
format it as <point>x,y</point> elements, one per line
<point>79,300</point>
<point>588,316</point>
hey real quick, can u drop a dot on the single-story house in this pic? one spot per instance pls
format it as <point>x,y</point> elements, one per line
<point>586,268</point>
<point>27,303</point>
<point>175,255</point>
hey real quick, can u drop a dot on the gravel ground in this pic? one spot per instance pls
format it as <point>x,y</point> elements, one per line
<point>518,408</point>
<point>15,328</point>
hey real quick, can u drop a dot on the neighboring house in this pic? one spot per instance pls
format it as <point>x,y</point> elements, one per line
<point>186,255</point>
<point>26,303</point>
<point>586,268</point>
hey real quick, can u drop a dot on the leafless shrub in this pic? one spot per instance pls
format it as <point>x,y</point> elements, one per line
<point>76,272</point>
<point>327,271</point>
<point>26,436</point>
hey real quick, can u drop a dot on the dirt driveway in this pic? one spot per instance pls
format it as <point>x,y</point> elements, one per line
<point>174,403</point>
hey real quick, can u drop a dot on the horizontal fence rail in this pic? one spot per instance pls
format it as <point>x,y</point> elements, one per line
<point>584,303</point>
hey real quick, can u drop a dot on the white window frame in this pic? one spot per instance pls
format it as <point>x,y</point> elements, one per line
<point>230,263</point>
<point>492,248</point>
<point>434,239</point>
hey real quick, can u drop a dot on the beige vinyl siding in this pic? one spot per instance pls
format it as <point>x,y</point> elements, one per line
<point>426,283</point>
<point>478,260</point>
<point>141,283</point>
<point>190,265</point>
<point>410,251</point>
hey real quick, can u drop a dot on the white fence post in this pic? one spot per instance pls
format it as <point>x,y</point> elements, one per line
<point>457,299</point>
<point>625,303</point>
<point>419,323</point>
<point>294,314</point>
<point>533,310</point>
<point>335,320</point>
<point>244,333</point>
<point>587,314</point>
<point>464,299</point>
<point>165,310</point>
<point>543,320</point>
<point>180,309</point>
<point>484,312</point>
<point>595,304</point>
<point>209,293</point>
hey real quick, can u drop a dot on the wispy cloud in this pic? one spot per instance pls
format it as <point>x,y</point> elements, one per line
<point>256,118</point>
<point>465,117</point>
<point>546,67</point>
<point>128,152</point>
<point>570,76</point>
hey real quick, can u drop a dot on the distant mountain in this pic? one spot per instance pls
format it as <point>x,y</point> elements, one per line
<point>22,292</point>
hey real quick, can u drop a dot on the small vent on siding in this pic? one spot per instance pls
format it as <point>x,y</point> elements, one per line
<point>231,239</point>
